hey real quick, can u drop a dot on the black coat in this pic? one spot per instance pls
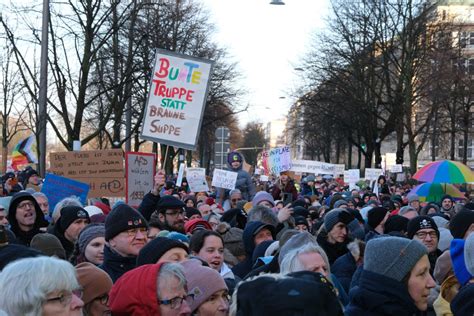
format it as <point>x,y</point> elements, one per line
<point>333,251</point>
<point>115,265</point>
<point>148,205</point>
<point>378,295</point>
<point>344,268</point>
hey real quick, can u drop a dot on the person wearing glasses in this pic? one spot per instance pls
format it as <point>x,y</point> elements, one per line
<point>171,213</point>
<point>125,235</point>
<point>152,289</point>
<point>96,285</point>
<point>25,217</point>
<point>44,286</point>
<point>425,230</point>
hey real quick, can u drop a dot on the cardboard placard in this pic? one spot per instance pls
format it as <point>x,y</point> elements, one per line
<point>316,167</point>
<point>396,169</point>
<point>105,187</point>
<point>351,176</point>
<point>197,179</point>
<point>373,173</point>
<point>140,170</point>
<point>177,98</point>
<point>224,179</point>
<point>57,188</point>
<point>88,164</point>
<point>277,160</point>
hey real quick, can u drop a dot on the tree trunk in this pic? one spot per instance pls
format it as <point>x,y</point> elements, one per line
<point>452,134</point>
<point>434,137</point>
<point>349,155</point>
<point>378,155</point>
<point>413,156</point>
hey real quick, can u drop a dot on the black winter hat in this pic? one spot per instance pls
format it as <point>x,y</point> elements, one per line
<point>122,217</point>
<point>421,222</point>
<point>460,223</point>
<point>169,202</point>
<point>69,214</point>
<point>375,216</point>
<point>300,220</point>
<point>396,223</point>
<point>190,211</point>
<point>15,201</point>
<point>300,211</point>
<point>156,248</point>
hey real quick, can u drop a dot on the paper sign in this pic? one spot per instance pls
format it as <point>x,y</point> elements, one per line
<point>339,169</point>
<point>139,173</point>
<point>316,167</point>
<point>224,179</point>
<point>180,175</point>
<point>57,188</point>
<point>277,160</point>
<point>396,168</point>
<point>177,98</point>
<point>197,179</point>
<point>351,175</point>
<point>263,178</point>
<point>372,173</point>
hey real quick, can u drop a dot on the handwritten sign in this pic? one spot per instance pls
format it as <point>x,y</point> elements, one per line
<point>316,167</point>
<point>140,169</point>
<point>102,170</point>
<point>197,179</point>
<point>396,169</point>
<point>351,175</point>
<point>57,188</point>
<point>373,173</point>
<point>339,169</point>
<point>277,160</point>
<point>224,179</point>
<point>176,102</point>
<point>179,181</point>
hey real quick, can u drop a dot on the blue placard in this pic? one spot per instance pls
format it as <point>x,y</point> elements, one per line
<point>57,188</point>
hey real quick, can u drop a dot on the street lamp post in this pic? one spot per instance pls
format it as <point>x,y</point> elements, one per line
<point>43,90</point>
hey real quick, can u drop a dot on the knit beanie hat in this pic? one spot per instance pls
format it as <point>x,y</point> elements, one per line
<point>421,222</point>
<point>375,216</point>
<point>155,249</point>
<point>262,196</point>
<point>191,211</point>
<point>196,224</point>
<point>94,281</point>
<point>49,245</point>
<point>340,203</point>
<point>447,196</point>
<point>234,156</point>
<point>457,259</point>
<point>203,282</point>
<point>93,210</point>
<point>335,216</point>
<point>169,202</point>
<point>300,211</point>
<point>234,191</point>
<point>460,223</point>
<point>393,257</point>
<point>405,209</point>
<point>396,223</point>
<point>469,254</point>
<point>413,198</point>
<point>300,220</point>
<point>178,237</point>
<point>69,214</point>
<point>122,218</point>
<point>89,232</point>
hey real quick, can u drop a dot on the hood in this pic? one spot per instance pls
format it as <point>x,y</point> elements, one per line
<point>249,233</point>
<point>17,199</point>
<point>135,292</point>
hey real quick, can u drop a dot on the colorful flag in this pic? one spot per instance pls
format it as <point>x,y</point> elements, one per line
<point>24,152</point>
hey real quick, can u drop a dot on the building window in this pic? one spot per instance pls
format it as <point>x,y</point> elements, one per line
<point>470,147</point>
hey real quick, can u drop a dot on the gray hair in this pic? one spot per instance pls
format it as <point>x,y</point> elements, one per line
<point>25,284</point>
<point>69,201</point>
<point>405,210</point>
<point>167,273</point>
<point>40,194</point>
<point>292,263</point>
<point>263,214</point>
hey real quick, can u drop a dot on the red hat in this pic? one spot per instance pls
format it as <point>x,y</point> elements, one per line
<point>194,224</point>
<point>104,207</point>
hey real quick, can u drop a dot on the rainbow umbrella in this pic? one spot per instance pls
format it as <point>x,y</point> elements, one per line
<point>445,171</point>
<point>433,192</point>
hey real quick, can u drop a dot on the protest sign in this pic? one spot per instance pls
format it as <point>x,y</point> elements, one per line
<point>264,178</point>
<point>197,179</point>
<point>396,169</point>
<point>102,170</point>
<point>179,181</point>
<point>373,173</point>
<point>177,98</point>
<point>339,169</point>
<point>351,176</point>
<point>276,160</point>
<point>224,179</point>
<point>316,167</point>
<point>140,170</point>
<point>57,188</point>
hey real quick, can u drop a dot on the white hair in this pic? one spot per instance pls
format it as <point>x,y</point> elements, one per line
<point>25,284</point>
<point>168,272</point>
<point>292,263</point>
<point>69,201</point>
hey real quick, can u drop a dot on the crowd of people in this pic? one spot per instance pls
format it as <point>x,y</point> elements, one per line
<point>274,248</point>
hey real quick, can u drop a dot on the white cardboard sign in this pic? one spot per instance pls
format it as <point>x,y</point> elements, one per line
<point>373,173</point>
<point>351,175</point>
<point>140,170</point>
<point>224,179</point>
<point>197,179</point>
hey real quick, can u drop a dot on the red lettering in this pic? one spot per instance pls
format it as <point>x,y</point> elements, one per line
<point>163,71</point>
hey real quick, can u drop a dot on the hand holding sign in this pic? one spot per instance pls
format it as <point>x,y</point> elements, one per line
<point>160,179</point>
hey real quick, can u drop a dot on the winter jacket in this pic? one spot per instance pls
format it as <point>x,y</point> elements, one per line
<point>25,237</point>
<point>148,205</point>
<point>344,268</point>
<point>378,295</point>
<point>289,188</point>
<point>67,245</point>
<point>116,265</point>
<point>333,251</point>
<point>136,292</point>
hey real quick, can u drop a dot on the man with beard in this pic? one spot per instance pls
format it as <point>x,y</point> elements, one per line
<point>171,213</point>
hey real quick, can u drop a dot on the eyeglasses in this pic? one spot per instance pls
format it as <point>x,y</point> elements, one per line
<point>423,235</point>
<point>104,299</point>
<point>176,302</point>
<point>134,231</point>
<point>26,205</point>
<point>66,298</point>
<point>175,213</point>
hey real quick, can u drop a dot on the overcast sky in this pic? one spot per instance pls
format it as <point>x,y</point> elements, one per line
<point>267,41</point>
